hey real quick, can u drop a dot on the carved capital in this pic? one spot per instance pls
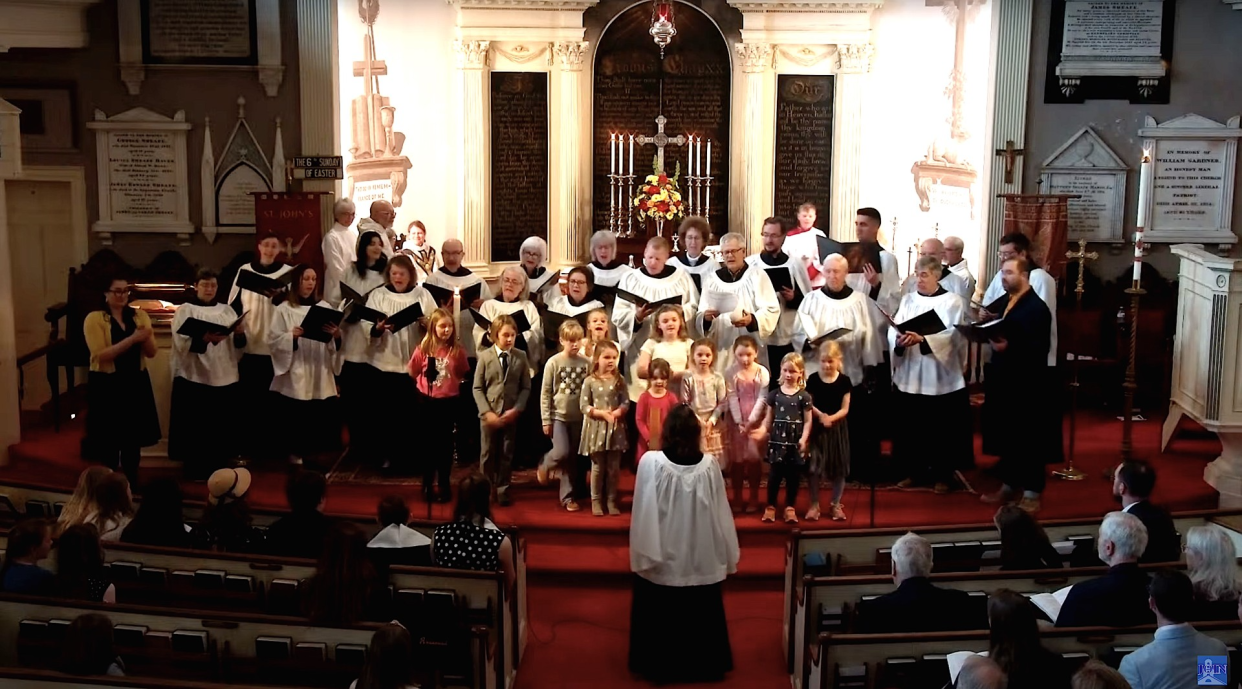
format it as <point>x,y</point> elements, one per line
<point>472,54</point>
<point>569,55</point>
<point>854,58</point>
<point>271,77</point>
<point>755,57</point>
<point>133,75</point>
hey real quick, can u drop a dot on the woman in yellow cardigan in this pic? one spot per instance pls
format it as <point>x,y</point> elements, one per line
<point>121,417</point>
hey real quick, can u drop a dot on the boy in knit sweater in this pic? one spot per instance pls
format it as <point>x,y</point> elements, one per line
<point>563,377</point>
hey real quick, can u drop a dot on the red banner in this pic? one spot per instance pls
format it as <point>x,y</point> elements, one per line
<point>1044,219</point>
<point>297,218</point>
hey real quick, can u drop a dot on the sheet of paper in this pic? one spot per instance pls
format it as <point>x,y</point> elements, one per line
<point>957,659</point>
<point>721,302</point>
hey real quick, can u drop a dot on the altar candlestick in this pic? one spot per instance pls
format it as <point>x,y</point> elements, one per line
<point>612,155</point>
<point>457,312</point>
<point>1145,173</point>
<point>689,155</point>
<point>631,154</point>
<point>709,157</point>
<point>698,157</point>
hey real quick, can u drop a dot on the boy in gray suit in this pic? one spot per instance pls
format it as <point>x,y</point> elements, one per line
<point>1171,660</point>
<point>501,390</point>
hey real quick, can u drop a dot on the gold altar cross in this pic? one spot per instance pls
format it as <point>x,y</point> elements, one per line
<point>660,140</point>
<point>1011,156</point>
<point>1081,257</point>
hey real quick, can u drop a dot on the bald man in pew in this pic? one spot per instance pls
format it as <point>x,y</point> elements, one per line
<point>917,605</point>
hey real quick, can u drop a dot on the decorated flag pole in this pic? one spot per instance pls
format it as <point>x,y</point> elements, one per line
<point>1135,291</point>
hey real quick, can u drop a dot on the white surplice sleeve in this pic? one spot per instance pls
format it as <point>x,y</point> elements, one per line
<point>724,530</point>
<point>646,547</point>
<point>280,339</point>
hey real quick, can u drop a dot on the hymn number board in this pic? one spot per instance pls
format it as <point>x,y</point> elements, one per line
<point>520,189</point>
<point>803,142</point>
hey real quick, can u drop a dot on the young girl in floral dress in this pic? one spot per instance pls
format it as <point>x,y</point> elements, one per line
<point>746,383</point>
<point>704,390</point>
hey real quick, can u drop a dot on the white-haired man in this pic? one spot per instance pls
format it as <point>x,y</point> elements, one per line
<point>756,307</point>
<point>954,247</point>
<point>949,280</point>
<point>917,605</point>
<point>979,672</point>
<point>340,249</point>
<point>380,222</point>
<point>1119,598</point>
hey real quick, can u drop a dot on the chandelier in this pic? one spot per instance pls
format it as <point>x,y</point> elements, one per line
<point>662,27</point>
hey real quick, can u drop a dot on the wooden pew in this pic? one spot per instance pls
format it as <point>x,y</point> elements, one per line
<point>828,654</point>
<point>30,678</point>
<point>854,551</point>
<point>231,650</point>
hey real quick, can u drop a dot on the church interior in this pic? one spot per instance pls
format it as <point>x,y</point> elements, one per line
<point>148,147</point>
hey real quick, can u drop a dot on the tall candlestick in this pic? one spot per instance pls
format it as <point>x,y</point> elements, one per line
<point>631,154</point>
<point>1145,173</point>
<point>709,157</point>
<point>457,312</point>
<point>698,157</point>
<point>612,154</point>
<point>689,156</point>
<point>1138,254</point>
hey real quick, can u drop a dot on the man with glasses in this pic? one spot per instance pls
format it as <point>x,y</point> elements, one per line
<point>453,275</point>
<point>953,249</point>
<point>950,281</point>
<point>757,307</point>
<point>1017,245</point>
<point>775,262</point>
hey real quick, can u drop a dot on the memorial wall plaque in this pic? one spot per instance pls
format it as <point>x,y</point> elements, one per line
<point>219,32</point>
<point>1110,49</point>
<point>1086,166</point>
<point>803,143</point>
<point>696,77</point>
<point>519,161</point>
<point>234,200</point>
<point>1194,159</point>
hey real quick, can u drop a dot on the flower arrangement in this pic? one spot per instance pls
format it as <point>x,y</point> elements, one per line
<point>659,198</point>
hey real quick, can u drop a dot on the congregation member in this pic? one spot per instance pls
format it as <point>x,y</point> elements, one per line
<point>30,542</point>
<point>561,412</point>
<point>439,369</point>
<point>366,274</point>
<point>695,235</point>
<point>1212,565</point>
<point>1013,642</point>
<point>455,276</point>
<point>655,282</point>
<point>1119,598</point>
<point>204,378</point>
<point>114,507</point>
<point>579,297</point>
<point>122,418</point>
<point>382,215</point>
<point>159,520</point>
<point>471,541</point>
<point>416,247</point>
<point>1094,674</point>
<point>338,246</point>
<point>953,249</point>
<point>82,501</point>
<point>927,371</point>
<point>979,672</point>
<point>345,589</point>
<point>756,306</point>
<point>227,524</point>
<point>1133,483</point>
<point>501,391</point>
<point>1018,245</point>
<point>390,660</point>
<point>301,532</point>
<point>773,260</point>
<point>916,605</point>
<point>950,281</point>
<point>88,648</point>
<point>541,281</point>
<point>802,244</point>
<point>607,268</point>
<point>683,544</point>
<point>1172,660</point>
<point>80,573</point>
<point>396,543</point>
<point>393,339</point>
<point>836,306</point>
<point>1017,380</point>
<point>1024,544</point>
<point>306,369</point>
<point>254,371</point>
<point>883,286</point>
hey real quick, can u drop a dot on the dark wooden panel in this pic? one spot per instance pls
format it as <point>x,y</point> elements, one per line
<point>519,160</point>
<point>803,143</point>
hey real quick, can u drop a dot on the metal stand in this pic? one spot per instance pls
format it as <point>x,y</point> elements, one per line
<point>1127,413</point>
<point>1070,473</point>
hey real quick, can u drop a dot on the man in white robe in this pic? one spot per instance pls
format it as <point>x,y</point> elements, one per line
<point>382,217</point>
<point>953,248</point>
<point>756,308</point>
<point>884,287</point>
<point>1018,245</point>
<point>949,280</point>
<point>932,401</point>
<point>773,258</point>
<point>656,281</point>
<point>340,249</point>
<point>802,244</point>
<point>834,306</point>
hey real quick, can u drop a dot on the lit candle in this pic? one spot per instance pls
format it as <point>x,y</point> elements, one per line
<point>457,312</point>
<point>1138,254</point>
<point>1145,173</point>
<point>631,154</point>
<point>689,155</point>
<point>709,157</point>
<point>612,153</point>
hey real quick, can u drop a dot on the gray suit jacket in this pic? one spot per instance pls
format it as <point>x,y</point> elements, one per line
<point>1171,660</point>
<point>494,390</point>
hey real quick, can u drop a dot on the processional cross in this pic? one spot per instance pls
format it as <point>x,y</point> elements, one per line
<point>660,140</point>
<point>1081,257</point>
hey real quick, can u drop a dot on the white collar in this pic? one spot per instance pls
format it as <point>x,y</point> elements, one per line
<point>398,536</point>
<point>500,351</point>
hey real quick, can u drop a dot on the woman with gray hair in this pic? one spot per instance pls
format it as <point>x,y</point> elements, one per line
<point>513,300</point>
<point>606,267</point>
<point>1212,563</point>
<point>541,282</point>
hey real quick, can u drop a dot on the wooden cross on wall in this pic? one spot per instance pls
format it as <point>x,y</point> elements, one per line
<point>660,140</point>
<point>1011,156</point>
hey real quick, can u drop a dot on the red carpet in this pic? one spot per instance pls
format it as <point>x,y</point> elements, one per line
<point>579,564</point>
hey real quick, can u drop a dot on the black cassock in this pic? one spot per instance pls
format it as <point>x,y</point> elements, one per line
<point>1021,410</point>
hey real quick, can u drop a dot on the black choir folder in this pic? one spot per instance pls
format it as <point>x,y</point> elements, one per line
<point>984,332</point>
<point>444,295</point>
<point>519,317</point>
<point>926,323</point>
<point>829,336</point>
<point>640,302</point>
<point>780,277</point>
<point>552,322</point>
<point>317,319</point>
<point>196,329</point>
<point>350,294</point>
<point>403,318</point>
<point>858,254</point>
<point>262,284</point>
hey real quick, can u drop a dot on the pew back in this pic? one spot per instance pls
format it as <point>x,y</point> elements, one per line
<point>30,678</point>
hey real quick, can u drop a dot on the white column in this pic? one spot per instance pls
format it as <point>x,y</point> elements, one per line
<point>10,418</point>
<point>571,232</point>
<point>474,194</point>
<point>317,85</point>
<point>851,83</point>
<point>757,157</point>
<point>1012,33</point>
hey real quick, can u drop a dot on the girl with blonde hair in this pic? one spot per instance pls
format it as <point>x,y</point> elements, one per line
<point>438,365</point>
<point>82,502</point>
<point>786,413</point>
<point>830,436</point>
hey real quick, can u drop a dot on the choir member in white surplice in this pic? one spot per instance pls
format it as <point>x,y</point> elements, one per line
<point>426,260</point>
<point>607,268</point>
<point>357,398</point>
<point>255,368</point>
<point>695,233</point>
<point>756,309</point>
<point>1017,245</point>
<point>307,414</point>
<point>382,215</point>
<point>683,544</point>
<point>338,248</point>
<point>774,260</point>
<point>453,275</point>
<point>883,287</point>
<point>579,298</point>
<point>204,380</point>
<point>514,296</point>
<point>389,352</point>
<point>825,310</point>
<point>802,244</point>
<point>949,280</point>
<point>953,248</point>
<point>931,397</point>
<point>656,281</point>
<point>542,281</point>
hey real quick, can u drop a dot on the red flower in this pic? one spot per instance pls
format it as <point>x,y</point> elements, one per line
<point>642,205</point>
<point>663,179</point>
<point>653,190</point>
<point>662,207</point>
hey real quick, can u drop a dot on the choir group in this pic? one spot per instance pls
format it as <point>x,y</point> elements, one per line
<point>787,357</point>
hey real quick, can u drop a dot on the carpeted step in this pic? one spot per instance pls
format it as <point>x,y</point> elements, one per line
<point>590,562</point>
